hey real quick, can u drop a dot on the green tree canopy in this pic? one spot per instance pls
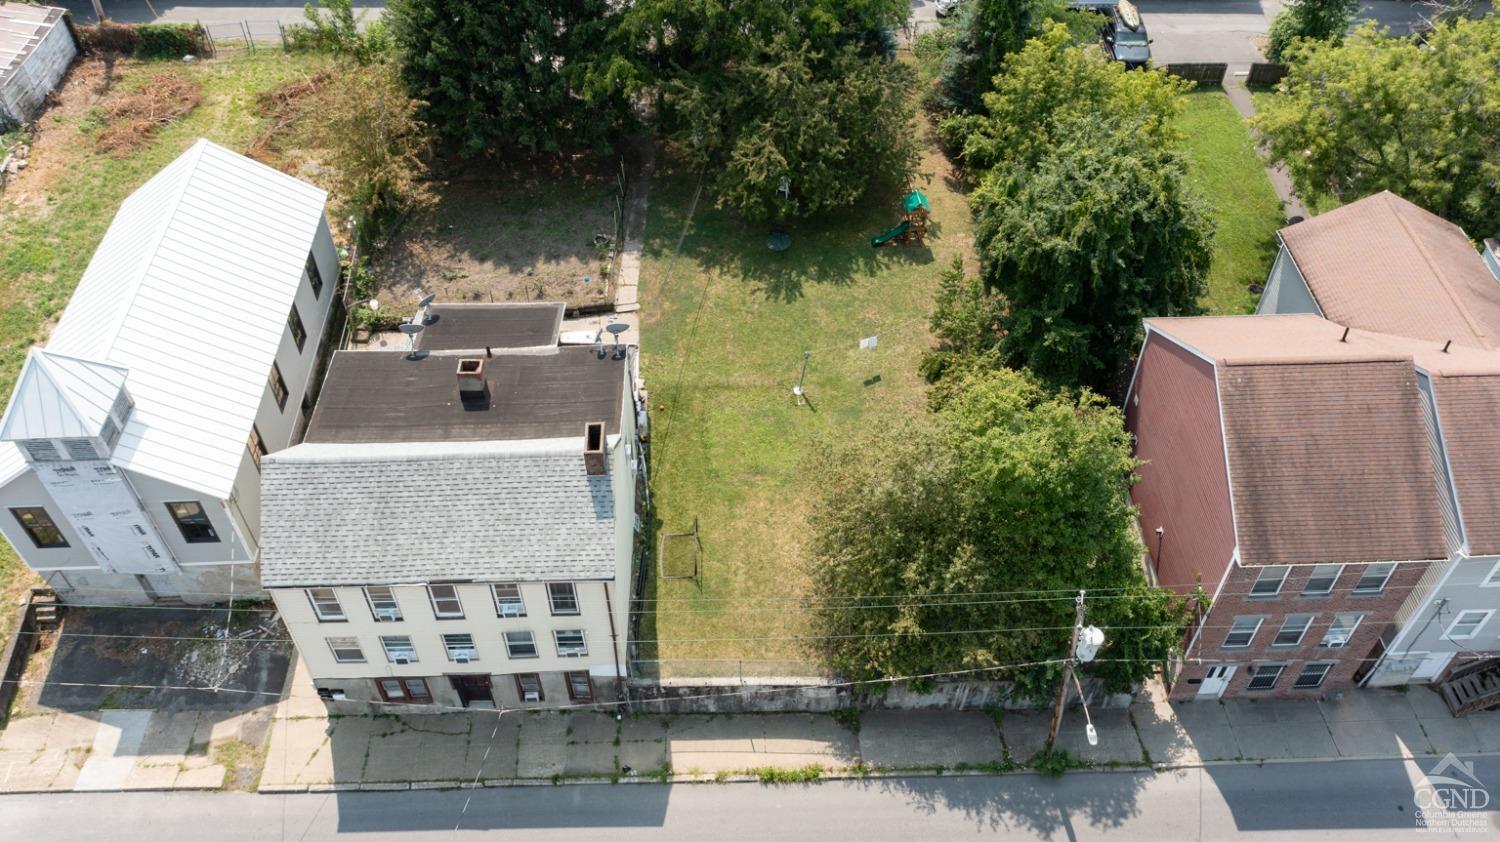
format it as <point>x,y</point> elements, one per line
<point>1007,488</point>
<point>1318,20</point>
<point>1382,113</point>
<point>1101,231</point>
<point>1048,84</point>
<point>499,77</point>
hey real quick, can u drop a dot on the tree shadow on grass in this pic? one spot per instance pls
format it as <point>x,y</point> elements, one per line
<point>1045,807</point>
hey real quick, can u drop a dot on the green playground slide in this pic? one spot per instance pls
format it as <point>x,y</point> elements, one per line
<point>892,234</point>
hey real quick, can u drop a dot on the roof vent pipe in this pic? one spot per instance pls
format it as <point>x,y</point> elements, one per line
<point>593,449</point>
<point>1446,345</point>
<point>1345,337</point>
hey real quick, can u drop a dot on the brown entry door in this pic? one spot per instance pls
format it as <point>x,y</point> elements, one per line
<point>472,688</point>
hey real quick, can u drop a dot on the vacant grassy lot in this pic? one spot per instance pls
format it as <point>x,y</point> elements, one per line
<point>1224,166</point>
<point>56,212</point>
<point>727,321</point>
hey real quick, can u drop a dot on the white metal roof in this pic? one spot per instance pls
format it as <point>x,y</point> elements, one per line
<point>189,291</point>
<point>370,514</point>
<point>60,397</point>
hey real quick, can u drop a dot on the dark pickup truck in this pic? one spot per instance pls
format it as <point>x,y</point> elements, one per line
<point>1122,32</point>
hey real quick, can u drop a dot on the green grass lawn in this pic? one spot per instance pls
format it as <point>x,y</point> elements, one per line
<point>726,323</point>
<point>1224,167</point>
<point>55,214</point>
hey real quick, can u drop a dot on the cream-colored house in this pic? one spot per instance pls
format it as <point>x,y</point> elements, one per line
<point>458,526</point>
<point>130,450</point>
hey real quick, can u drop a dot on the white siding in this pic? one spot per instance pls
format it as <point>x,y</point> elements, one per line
<point>27,77</point>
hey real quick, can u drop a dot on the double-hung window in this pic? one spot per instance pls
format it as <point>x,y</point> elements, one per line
<point>529,687</point>
<point>563,598</point>
<point>520,644</point>
<point>314,276</point>
<point>1322,580</point>
<point>40,527</point>
<point>294,324</point>
<point>508,601</point>
<point>1467,624</point>
<point>1341,629</point>
<point>445,602</point>
<point>256,446</point>
<point>1263,676</point>
<point>383,605</point>
<point>346,650</point>
<point>1292,629</point>
<point>404,690</point>
<point>580,687</point>
<point>325,604</point>
<point>460,648</point>
<point>1373,580</point>
<point>1312,675</point>
<point>399,649</point>
<point>278,386</point>
<point>1241,632</point>
<point>570,643</point>
<point>192,521</point>
<point>1269,582</point>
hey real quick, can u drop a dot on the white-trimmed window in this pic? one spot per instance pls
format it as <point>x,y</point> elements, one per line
<point>445,602</point>
<point>460,648</point>
<point>1292,629</point>
<point>570,643</point>
<point>346,650</point>
<point>1373,580</point>
<point>563,598</point>
<point>1467,624</point>
<point>399,649</point>
<point>1241,632</point>
<point>1312,675</point>
<point>383,605</point>
<point>1322,580</point>
<point>1493,579</point>
<point>508,601</point>
<point>1270,580</point>
<point>1341,629</point>
<point>520,644</point>
<point>1264,676</point>
<point>325,604</point>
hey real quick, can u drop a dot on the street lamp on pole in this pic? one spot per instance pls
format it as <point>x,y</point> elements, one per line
<point>1083,646</point>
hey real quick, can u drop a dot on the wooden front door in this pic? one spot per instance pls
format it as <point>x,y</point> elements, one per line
<point>472,688</point>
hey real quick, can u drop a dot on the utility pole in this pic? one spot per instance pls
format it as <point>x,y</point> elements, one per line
<point>1062,692</point>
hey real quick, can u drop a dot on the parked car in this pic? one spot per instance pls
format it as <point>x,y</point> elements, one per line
<point>1122,32</point>
<point>946,7</point>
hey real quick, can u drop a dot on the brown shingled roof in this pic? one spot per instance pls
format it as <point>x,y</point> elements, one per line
<point>1384,264</point>
<point>1328,462</point>
<point>1469,409</point>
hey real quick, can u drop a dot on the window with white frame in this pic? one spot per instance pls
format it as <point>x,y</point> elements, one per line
<point>1341,629</point>
<point>1373,580</point>
<point>563,597</point>
<point>383,605</point>
<point>570,643</point>
<point>346,650</point>
<point>1322,580</point>
<point>325,604</point>
<point>1263,676</point>
<point>1312,675</point>
<point>399,649</point>
<point>1467,624</point>
<point>460,648</point>
<point>1292,629</point>
<point>1269,582</point>
<point>445,602</point>
<point>1493,579</point>
<point>1241,632</point>
<point>520,644</point>
<point>508,601</point>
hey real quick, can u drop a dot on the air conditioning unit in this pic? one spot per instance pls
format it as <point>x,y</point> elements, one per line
<point>464,657</point>
<point>572,652</point>
<point>512,610</point>
<point>387,615</point>
<point>531,697</point>
<point>402,660</point>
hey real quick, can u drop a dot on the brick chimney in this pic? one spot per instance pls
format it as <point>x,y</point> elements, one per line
<point>593,449</point>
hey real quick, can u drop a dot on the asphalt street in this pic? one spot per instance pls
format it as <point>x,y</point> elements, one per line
<point>1353,800</point>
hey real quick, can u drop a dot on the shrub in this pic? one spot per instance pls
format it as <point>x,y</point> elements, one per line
<point>169,40</point>
<point>1317,20</point>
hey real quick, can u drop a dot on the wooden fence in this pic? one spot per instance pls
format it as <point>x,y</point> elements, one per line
<point>1266,74</point>
<point>1204,73</point>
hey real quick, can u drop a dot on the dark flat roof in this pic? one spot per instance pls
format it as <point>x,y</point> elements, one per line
<point>474,327</point>
<point>386,396</point>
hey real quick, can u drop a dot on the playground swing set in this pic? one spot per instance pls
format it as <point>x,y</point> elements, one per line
<point>912,229</point>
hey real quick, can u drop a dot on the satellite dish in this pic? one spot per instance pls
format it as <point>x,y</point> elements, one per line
<point>617,328</point>
<point>427,299</point>
<point>409,329</point>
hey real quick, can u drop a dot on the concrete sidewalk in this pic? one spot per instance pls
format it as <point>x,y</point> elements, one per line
<point>310,751</point>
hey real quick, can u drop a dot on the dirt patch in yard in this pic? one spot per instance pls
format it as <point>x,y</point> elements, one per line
<point>501,233</point>
<point>55,142</point>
